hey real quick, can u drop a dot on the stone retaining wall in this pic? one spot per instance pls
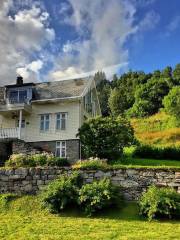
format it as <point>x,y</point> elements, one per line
<point>132,181</point>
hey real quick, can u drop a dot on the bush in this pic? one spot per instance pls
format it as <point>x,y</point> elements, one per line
<point>105,137</point>
<point>91,163</point>
<point>97,195</point>
<point>57,161</point>
<point>61,193</point>
<point>33,160</point>
<point>148,151</point>
<point>160,202</point>
<point>20,160</point>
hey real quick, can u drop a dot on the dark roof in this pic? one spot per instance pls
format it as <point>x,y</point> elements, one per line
<point>57,89</point>
<point>18,85</point>
<point>60,89</point>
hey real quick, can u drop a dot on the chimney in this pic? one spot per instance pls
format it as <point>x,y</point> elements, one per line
<point>19,80</point>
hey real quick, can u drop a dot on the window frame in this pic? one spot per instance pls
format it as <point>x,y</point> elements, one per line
<point>60,148</point>
<point>44,121</point>
<point>17,98</point>
<point>59,119</point>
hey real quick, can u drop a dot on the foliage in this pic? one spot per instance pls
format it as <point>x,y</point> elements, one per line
<point>19,160</point>
<point>123,94</point>
<point>118,101</point>
<point>97,195</point>
<point>160,202</point>
<point>171,102</point>
<point>148,97</point>
<point>105,137</point>
<point>91,163</point>
<point>176,75</point>
<point>60,193</point>
<point>32,160</point>
<point>148,151</point>
<point>5,199</point>
<point>103,88</point>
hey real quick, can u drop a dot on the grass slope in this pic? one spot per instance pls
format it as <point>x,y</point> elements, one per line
<point>25,220</point>
<point>147,163</point>
<point>159,129</point>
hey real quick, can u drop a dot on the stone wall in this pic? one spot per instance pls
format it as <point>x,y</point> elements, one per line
<point>132,181</point>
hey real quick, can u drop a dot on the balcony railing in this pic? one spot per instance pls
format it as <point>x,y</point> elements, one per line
<point>9,133</point>
<point>18,100</point>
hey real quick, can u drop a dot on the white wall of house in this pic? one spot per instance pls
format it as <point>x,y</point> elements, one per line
<point>32,130</point>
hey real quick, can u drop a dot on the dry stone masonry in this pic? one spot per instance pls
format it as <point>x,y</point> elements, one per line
<point>131,181</point>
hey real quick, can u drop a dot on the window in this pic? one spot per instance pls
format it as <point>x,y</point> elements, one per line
<point>23,123</point>
<point>17,96</point>
<point>44,122</point>
<point>61,121</point>
<point>61,149</point>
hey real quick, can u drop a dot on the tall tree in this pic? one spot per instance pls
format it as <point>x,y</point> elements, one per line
<point>176,75</point>
<point>103,88</point>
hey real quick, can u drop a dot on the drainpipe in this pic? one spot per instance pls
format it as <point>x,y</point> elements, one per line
<point>20,123</point>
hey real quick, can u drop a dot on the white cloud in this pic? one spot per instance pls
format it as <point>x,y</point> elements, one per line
<point>21,36</point>
<point>173,25</point>
<point>150,21</point>
<point>103,28</point>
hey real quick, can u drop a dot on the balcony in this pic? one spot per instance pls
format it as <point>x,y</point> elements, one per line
<point>9,133</point>
<point>13,104</point>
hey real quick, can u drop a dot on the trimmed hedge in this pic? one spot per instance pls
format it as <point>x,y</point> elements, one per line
<point>148,151</point>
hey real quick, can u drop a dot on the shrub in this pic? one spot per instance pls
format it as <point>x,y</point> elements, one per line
<point>105,137</point>
<point>97,195</point>
<point>148,151</point>
<point>40,159</point>
<point>160,202</point>
<point>20,160</point>
<point>57,161</point>
<point>91,163</point>
<point>61,192</point>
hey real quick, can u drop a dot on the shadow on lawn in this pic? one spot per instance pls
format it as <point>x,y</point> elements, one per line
<point>125,211</point>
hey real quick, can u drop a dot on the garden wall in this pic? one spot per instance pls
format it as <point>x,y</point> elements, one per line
<point>132,181</point>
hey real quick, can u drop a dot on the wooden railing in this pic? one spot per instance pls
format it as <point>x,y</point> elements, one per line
<point>9,133</point>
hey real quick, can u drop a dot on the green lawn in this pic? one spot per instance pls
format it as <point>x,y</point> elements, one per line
<point>24,220</point>
<point>142,162</point>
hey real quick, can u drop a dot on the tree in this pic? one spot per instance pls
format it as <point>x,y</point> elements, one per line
<point>176,75</point>
<point>148,98</point>
<point>166,74</point>
<point>105,137</point>
<point>122,97</point>
<point>118,101</point>
<point>99,77</point>
<point>103,88</point>
<point>171,102</point>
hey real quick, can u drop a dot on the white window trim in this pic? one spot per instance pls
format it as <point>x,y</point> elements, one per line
<point>44,122</point>
<point>59,146</point>
<point>60,119</point>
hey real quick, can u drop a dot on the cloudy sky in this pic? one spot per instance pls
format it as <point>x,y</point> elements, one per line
<point>52,40</point>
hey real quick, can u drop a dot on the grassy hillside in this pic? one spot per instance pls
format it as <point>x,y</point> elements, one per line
<point>159,129</point>
<point>24,219</point>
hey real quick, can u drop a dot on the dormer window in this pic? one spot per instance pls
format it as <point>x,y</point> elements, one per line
<point>17,96</point>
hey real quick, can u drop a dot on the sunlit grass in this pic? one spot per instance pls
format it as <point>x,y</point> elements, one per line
<point>26,220</point>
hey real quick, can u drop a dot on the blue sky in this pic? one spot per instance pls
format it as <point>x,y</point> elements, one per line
<point>46,40</point>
